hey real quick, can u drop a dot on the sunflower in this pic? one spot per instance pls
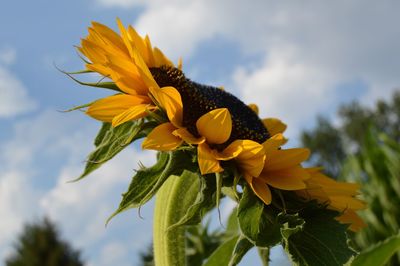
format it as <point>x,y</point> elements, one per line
<point>282,169</point>
<point>125,59</point>
<point>338,196</point>
<point>213,131</point>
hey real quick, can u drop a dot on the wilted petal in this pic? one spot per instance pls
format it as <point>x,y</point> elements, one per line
<point>162,139</point>
<point>215,126</point>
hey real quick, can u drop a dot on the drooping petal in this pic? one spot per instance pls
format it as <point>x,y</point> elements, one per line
<point>230,152</point>
<point>274,126</point>
<point>184,134</point>
<point>350,217</point>
<point>207,161</point>
<point>170,100</point>
<point>252,157</point>
<point>215,126</point>
<point>286,179</point>
<point>260,189</point>
<point>280,159</point>
<point>345,202</point>
<point>133,113</point>
<point>107,108</point>
<point>274,142</point>
<point>162,139</point>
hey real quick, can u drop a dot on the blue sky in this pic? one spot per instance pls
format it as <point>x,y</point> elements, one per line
<point>295,60</point>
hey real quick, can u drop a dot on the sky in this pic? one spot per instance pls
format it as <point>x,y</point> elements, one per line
<point>296,60</point>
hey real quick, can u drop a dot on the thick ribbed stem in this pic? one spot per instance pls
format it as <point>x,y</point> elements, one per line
<point>171,204</point>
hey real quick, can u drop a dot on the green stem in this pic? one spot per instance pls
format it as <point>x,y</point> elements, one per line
<point>171,205</point>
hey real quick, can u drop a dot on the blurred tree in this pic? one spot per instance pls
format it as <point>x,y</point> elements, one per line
<point>331,144</point>
<point>377,168</point>
<point>40,245</point>
<point>365,148</point>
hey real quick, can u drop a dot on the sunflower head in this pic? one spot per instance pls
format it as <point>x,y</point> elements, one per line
<point>200,99</point>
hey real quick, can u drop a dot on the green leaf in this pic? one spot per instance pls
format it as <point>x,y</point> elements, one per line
<point>222,255</point>
<point>147,181</point>
<point>204,189</point>
<point>320,240</point>
<point>378,254</point>
<point>105,85</point>
<point>258,222</point>
<point>242,246</point>
<point>110,141</point>
<point>232,226</point>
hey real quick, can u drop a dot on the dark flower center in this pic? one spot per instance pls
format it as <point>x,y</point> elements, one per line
<point>199,99</point>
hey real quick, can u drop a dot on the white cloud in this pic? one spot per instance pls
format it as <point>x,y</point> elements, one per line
<point>307,50</point>
<point>44,153</point>
<point>14,98</point>
<point>8,55</point>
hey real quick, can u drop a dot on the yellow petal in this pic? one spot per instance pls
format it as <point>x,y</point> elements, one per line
<point>260,189</point>
<point>252,157</point>
<point>207,161</point>
<point>286,179</point>
<point>133,113</point>
<point>344,202</point>
<point>170,100</point>
<point>254,107</point>
<point>274,142</point>
<point>230,152</point>
<point>111,36</point>
<point>107,108</point>
<point>125,37</point>
<point>281,159</point>
<point>138,42</point>
<point>144,69</point>
<point>162,139</point>
<point>180,63</point>
<point>215,126</point>
<point>160,59</point>
<point>184,134</point>
<point>274,126</point>
<point>350,217</point>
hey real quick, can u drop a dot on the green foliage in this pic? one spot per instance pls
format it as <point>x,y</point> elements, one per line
<point>319,240</point>
<point>148,181</point>
<point>377,167</point>
<point>110,141</point>
<point>372,158</point>
<point>331,144</point>
<point>378,254</point>
<point>222,255</point>
<point>311,236</point>
<point>40,245</point>
<point>257,221</point>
